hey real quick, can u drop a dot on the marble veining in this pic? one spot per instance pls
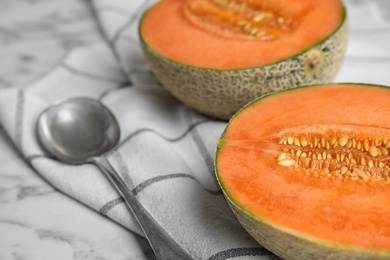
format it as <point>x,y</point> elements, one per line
<point>37,222</point>
<point>35,35</point>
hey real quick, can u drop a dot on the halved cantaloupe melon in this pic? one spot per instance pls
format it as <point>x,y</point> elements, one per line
<point>217,55</point>
<point>307,171</point>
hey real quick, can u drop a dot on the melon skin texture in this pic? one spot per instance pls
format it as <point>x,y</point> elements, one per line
<point>221,93</point>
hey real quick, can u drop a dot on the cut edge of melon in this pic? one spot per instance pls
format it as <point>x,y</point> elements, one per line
<point>343,22</point>
<point>292,89</point>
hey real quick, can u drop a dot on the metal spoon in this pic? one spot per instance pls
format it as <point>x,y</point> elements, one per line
<point>80,130</point>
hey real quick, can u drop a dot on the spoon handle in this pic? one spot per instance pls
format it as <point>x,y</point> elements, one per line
<point>162,244</point>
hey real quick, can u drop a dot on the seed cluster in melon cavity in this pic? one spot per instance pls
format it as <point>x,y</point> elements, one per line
<point>349,158</point>
<point>243,19</point>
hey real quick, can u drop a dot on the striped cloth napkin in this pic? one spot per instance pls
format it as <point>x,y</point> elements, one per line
<point>166,150</point>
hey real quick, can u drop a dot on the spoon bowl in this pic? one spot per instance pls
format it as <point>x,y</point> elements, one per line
<point>82,130</point>
<point>74,130</point>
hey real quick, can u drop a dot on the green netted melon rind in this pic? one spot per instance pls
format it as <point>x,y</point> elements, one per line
<point>221,93</point>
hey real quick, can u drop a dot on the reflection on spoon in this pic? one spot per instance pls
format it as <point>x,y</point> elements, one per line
<point>77,129</point>
<point>80,130</point>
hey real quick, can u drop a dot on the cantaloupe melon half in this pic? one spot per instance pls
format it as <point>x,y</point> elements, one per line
<point>217,55</point>
<point>307,171</point>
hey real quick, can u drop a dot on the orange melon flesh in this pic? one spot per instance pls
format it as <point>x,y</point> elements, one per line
<point>354,213</point>
<point>170,31</point>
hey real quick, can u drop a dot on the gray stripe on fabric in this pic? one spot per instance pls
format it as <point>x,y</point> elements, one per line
<point>118,34</point>
<point>241,252</point>
<point>123,171</point>
<point>203,150</point>
<point>109,205</point>
<point>208,159</point>
<point>19,119</point>
<point>174,139</point>
<point>95,14</point>
<point>156,179</point>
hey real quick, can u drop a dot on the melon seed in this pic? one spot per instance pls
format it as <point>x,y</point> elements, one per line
<point>286,162</point>
<point>282,141</point>
<point>303,141</point>
<point>366,145</point>
<point>363,161</point>
<point>333,140</point>
<point>280,20</point>
<point>247,27</point>
<point>343,170</point>
<point>359,145</point>
<point>361,173</point>
<point>370,163</point>
<point>261,33</point>
<point>253,20</point>
<point>323,142</point>
<point>373,151</point>
<point>315,142</point>
<point>343,141</point>
<point>254,30</point>
<point>258,17</point>
<point>242,23</point>
<point>281,156</point>
<point>297,142</point>
<point>337,156</point>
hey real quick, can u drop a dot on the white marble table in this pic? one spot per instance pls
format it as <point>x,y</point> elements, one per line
<point>39,222</point>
